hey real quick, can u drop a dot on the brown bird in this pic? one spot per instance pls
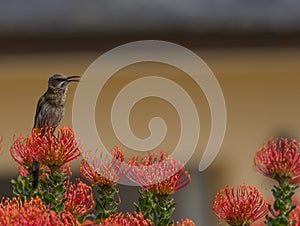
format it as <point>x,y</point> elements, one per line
<point>50,110</point>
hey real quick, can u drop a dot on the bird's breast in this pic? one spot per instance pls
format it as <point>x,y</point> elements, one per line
<point>50,116</point>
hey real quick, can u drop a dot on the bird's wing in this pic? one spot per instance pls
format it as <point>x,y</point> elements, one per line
<point>38,110</point>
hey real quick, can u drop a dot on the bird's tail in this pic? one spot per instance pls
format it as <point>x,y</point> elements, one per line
<point>35,174</point>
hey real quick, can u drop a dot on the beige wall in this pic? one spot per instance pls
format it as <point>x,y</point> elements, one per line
<point>260,86</point>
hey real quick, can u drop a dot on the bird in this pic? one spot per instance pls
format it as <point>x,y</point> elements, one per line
<point>50,111</point>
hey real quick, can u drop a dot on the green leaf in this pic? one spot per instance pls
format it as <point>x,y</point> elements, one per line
<point>280,222</point>
<point>59,188</point>
<point>60,208</point>
<point>279,205</point>
<point>49,198</point>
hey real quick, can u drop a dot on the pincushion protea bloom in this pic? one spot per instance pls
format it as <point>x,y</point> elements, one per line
<point>33,213</point>
<point>279,159</point>
<point>68,219</point>
<point>102,170</point>
<point>55,151</point>
<point>240,207</point>
<point>136,219</point>
<point>161,175</point>
<point>22,154</point>
<point>80,200</point>
<point>186,222</point>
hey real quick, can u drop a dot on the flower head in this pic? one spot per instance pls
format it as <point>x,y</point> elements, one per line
<point>33,213</point>
<point>162,175</point>
<point>68,219</point>
<point>102,170</point>
<point>186,222</point>
<point>127,220</point>
<point>21,152</point>
<point>80,199</point>
<point>242,206</point>
<point>279,159</point>
<point>55,151</point>
<point>92,222</point>
<point>23,171</point>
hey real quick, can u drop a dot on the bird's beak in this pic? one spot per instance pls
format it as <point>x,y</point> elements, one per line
<point>73,79</point>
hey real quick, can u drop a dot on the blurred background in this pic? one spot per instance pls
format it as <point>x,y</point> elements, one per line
<point>252,47</point>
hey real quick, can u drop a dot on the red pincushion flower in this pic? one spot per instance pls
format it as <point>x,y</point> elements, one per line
<point>33,213</point>
<point>186,222</point>
<point>279,159</point>
<point>80,199</point>
<point>22,154</point>
<point>162,175</point>
<point>55,151</point>
<point>92,222</point>
<point>136,219</point>
<point>101,169</point>
<point>242,206</point>
<point>68,219</point>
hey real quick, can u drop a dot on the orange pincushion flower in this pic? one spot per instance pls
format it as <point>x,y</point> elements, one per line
<point>80,199</point>
<point>136,219</point>
<point>55,151</point>
<point>280,159</point>
<point>68,219</point>
<point>21,152</point>
<point>33,213</point>
<point>186,222</point>
<point>161,175</point>
<point>92,222</point>
<point>102,170</point>
<point>242,206</point>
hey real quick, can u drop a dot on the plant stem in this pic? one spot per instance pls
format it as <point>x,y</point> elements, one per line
<point>22,187</point>
<point>282,207</point>
<point>157,208</point>
<point>107,202</point>
<point>53,189</point>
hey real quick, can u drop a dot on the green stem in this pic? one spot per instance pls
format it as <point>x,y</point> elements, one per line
<point>157,208</point>
<point>52,190</point>
<point>22,187</point>
<point>282,207</point>
<point>107,202</point>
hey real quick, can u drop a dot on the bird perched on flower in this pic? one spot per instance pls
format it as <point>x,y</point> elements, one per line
<point>50,110</point>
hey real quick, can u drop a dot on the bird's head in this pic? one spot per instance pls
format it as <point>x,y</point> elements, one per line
<point>58,81</point>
